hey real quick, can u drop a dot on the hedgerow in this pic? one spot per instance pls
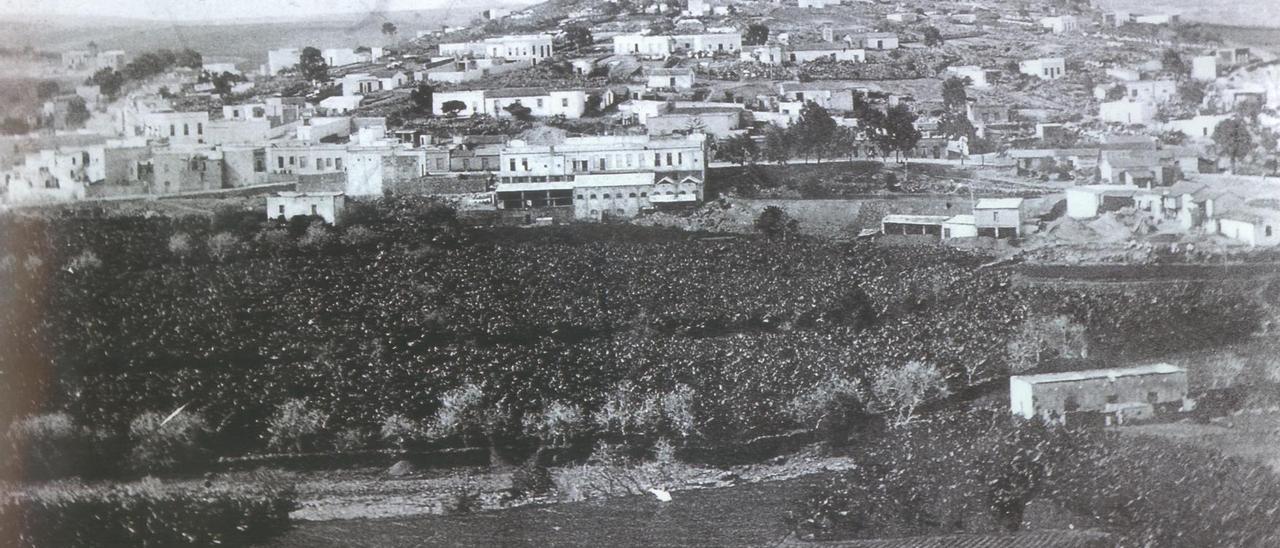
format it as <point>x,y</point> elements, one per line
<point>144,514</point>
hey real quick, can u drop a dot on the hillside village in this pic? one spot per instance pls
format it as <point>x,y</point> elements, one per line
<point>565,112</point>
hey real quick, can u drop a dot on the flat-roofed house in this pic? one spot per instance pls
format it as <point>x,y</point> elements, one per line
<point>1047,68</point>
<point>913,225</point>
<point>1086,202</point>
<point>326,205</point>
<point>998,217</point>
<point>1117,394</point>
<point>959,226</point>
<point>1257,226</point>
<point>669,78</point>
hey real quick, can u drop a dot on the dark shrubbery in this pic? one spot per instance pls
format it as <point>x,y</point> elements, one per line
<point>144,514</point>
<point>180,445</point>
<point>977,473</point>
<point>47,446</point>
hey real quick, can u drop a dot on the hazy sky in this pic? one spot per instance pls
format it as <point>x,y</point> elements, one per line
<point>227,9</point>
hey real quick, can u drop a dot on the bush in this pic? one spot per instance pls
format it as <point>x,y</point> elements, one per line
<point>180,445</point>
<point>401,432</point>
<point>317,236</point>
<point>145,514</point>
<point>829,408</point>
<point>531,478</point>
<point>296,427</point>
<point>180,245</point>
<point>223,245</point>
<point>627,412</point>
<point>86,260</point>
<point>358,236</point>
<point>47,446</point>
<point>556,423</point>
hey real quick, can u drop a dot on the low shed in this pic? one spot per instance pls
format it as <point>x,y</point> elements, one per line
<point>913,225</point>
<point>1114,393</point>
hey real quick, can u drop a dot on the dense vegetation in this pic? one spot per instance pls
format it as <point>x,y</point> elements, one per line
<point>261,329</point>
<point>144,514</point>
<point>978,472</point>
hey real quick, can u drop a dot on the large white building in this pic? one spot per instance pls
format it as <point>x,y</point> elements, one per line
<point>177,127</point>
<point>525,47</point>
<point>659,47</point>
<point>602,177</point>
<point>571,103</point>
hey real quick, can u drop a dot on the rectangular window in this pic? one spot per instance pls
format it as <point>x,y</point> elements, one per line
<point>337,163</point>
<point>313,210</point>
<point>669,158</point>
<point>1113,399</point>
<point>172,131</point>
<point>293,160</point>
<point>280,161</point>
<point>539,102</point>
<point>657,159</point>
<point>199,128</point>
<point>186,129</point>
<point>280,208</point>
<point>564,102</point>
<point>680,158</point>
<point>512,163</point>
<point>524,164</point>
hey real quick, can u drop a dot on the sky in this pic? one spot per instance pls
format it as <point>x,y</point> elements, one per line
<point>219,10</point>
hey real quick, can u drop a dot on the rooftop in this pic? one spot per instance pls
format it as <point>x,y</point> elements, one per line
<point>998,203</point>
<point>915,219</point>
<point>1091,374</point>
<point>514,92</point>
<point>961,220</point>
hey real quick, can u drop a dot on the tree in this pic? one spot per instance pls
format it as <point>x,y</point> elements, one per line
<point>900,131</point>
<point>77,112</point>
<point>814,130</point>
<point>108,80</point>
<point>777,145</point>
<point>46,89</point>
<point>578,37</point>
<point>739,149</point>
<point>756,34</point>
<point>1117,92</point>
<point>389,29</point>
<point>1249,111</point>
<point>660,26</point>
<point>312,66</point>
<point>902,390</point>
<point>593,105</point>
<point>1041,338</point>
<point>423,98</point>
<point>1172,62</point>
<point>932,36</point>
<point>831,407</point>
<point>1268,140</point>
<point>519,111</point>
<point>1233,139</point>
<point>188,58</point>
<point>954,95</point>
<point>773,222</point>
<point>451,108</point>
<point>1192,92</point>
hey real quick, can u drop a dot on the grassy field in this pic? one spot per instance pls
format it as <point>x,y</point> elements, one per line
<point>1250,435</point>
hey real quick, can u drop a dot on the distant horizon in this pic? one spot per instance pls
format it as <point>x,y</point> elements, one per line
<point>229,11</point>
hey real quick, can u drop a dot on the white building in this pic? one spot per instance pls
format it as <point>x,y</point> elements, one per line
<point>1204,68</point>
<point>1047,68</point>
<point>1087,201</point>
<point>976,75</point>
<point>1198,128</point>
<point>1060,24</point>
<point>817,4</point>
<point>1257,226</point>
<point>826,51</point>
<point>1150,91</point>
<point>526,163</point>
<point>669,78</point>
<point>540,101</point>
<point>1127,111</point>
<point>326,205</point>
<point>770,54</point>
<point>379,80</point>
<point>526,47</point>
<point>1116,393</point>
<point>959,226</point>
<point>179,128</point>
<point>998,217</point>
<point>642,45</point>
<point>341,104</point>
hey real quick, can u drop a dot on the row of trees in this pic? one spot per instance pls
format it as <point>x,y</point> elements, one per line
<point>815,134</point>
<point>144,66</point>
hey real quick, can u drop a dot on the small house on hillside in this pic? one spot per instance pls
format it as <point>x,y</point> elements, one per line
<point>1114,395</point>
<point>998,217</point>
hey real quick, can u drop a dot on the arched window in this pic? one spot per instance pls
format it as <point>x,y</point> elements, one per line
<point>633,195</point>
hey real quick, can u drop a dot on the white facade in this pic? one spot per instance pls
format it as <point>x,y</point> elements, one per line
<point>1084,202</point>
<point>1251,225</point>
<point>179,128</point>
<point>977,75</point>
<point>1048,68</point>
<point>1204,68</point>
<point>327,205</point>
<point>340,104</point>
<point>522,162</point>
<point>528,47</point>
<point>669,79</point>
<point>1126,111</point>
<point>656,47</point>
<point>1060,24</point>
<point>1150,91</point>
<point>817,4</point>
<point>540,102</point>
<point>1197,128</point>
<point>854,55</point>
<point>768,54</point>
